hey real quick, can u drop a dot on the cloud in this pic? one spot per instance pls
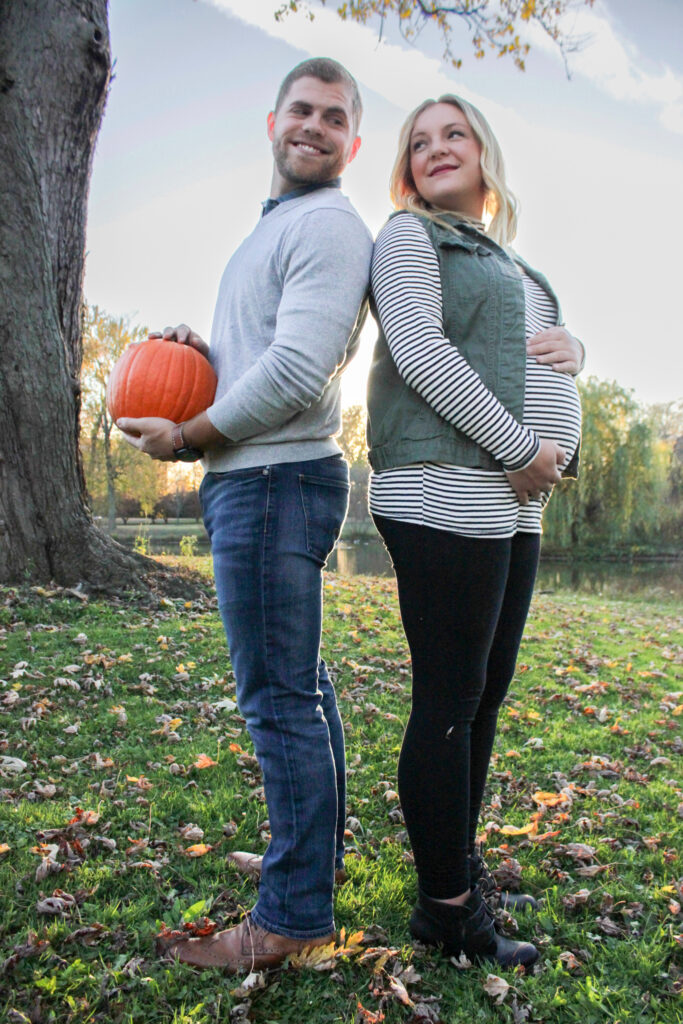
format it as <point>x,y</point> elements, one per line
<point>616,66</point>
<point>402,76</point>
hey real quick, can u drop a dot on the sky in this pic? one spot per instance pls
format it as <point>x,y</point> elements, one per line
<point>596,161</point>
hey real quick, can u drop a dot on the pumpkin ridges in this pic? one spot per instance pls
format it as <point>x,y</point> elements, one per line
<point>174,383</point>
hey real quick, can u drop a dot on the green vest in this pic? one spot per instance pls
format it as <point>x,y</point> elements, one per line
<point>483,314</point>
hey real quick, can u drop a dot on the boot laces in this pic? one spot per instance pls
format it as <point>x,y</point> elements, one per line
<point>486,882</point>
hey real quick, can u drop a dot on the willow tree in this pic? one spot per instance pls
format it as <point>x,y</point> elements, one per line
<point>54,75</point>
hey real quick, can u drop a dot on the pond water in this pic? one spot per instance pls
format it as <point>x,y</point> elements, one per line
<point>658,579</point>
<point>610,579</point>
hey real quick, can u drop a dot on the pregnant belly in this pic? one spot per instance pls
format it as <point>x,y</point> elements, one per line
<point>552,406</point>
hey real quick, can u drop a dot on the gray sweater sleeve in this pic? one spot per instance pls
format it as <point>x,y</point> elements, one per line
<point>324,263</point>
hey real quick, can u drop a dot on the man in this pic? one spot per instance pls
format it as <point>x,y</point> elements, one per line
<point>289,308</point>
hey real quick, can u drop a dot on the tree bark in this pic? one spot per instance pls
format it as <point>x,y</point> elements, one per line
<point>54,74</point>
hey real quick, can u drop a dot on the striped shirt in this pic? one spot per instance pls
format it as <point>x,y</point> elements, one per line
<point>472,502</point>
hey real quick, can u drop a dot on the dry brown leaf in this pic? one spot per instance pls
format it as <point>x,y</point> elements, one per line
<point>32,947</point>
<point>495,987</point>
<point>576,899</point>
<point>248,864</point>
<point>399,991</point>
<point>319,958</point>
<point>591,870</point>
<point>99,763</point>
<point>141,781</point>
<point>549,799</point>
<point>204,761</point>
<point>191,832</point>
<point>579,851</point>
<point>197,849</point>
<point>88,934</point>
<point>569,961</point>
<point>59,904</point>
<point>364,1016</point>
<point>461,962</point>
<point>46,790</point>
<point>252,983</point>
<point>525,830</point>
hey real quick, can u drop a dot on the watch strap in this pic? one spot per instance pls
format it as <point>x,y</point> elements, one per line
<point>177,439</point>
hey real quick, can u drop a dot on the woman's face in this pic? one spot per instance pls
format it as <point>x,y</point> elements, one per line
<point>444,160</point>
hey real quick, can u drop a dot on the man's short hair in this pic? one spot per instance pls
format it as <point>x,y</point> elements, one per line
<point>327,70</point>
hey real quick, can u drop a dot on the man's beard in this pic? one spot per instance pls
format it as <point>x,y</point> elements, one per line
<point>313,176</point>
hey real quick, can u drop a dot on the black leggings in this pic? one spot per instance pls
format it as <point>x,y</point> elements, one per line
<point>464,602</point>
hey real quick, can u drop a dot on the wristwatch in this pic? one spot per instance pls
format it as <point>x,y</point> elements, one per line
<point>181,451</point>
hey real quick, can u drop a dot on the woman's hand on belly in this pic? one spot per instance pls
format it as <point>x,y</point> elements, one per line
<point>557,348</point>
<point>542,473</point>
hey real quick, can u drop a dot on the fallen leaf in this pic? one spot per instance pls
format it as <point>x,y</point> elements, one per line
<point>364,1016</point>
<point>576,899</point>
<point>591,870</point>
<point>100,763</point>
<point>319,958</point>
<point>88,934</point>
<point>461,962</point>
<point>248,864</point>
<point>252,983</point>
<point>495,987</point>
<point>32,947</point>
<point>399,991</point>
<point>525,830</point>
<point>569,961</point>
<point>204,761</point>
<point>85,817</point>
<point>192,832</point>
<point>46,790</point>
<point>141,781</point>
<point>197,849</point>
<point>58,905</point>
<point>549,799</point>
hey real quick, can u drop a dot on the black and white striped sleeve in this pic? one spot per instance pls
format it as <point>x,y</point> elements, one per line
<point>407,290</point>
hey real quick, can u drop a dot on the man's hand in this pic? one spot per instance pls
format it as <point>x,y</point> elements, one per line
<point>557,347</point>
<point>152,435</point>
<point>184,335</point>
<point>540,475</point>
<point>149,434</point>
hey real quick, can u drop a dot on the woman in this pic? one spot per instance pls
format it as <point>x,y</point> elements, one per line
<point>473,415</point>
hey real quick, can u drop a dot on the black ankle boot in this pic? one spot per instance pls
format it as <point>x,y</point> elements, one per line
<point>467,929</point>
<point>481,876</point>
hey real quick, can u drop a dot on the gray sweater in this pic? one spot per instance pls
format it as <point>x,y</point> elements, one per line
<point>289,309</point>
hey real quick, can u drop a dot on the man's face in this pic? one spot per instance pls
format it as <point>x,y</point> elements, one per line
<point>312,134</point>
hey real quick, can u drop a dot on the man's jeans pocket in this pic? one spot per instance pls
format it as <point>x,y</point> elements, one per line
<point>325,501</point>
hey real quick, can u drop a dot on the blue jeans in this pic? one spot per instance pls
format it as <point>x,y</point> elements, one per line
<point>272,529</point>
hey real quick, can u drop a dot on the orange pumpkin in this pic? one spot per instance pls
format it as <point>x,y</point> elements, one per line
<point>160,378</point>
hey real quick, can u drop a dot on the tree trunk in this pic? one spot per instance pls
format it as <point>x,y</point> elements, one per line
<point>54,75</point>
<point>111,475</point>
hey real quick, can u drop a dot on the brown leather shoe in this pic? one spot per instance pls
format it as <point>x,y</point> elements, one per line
<point>246,947</point>
<point>250,864</point>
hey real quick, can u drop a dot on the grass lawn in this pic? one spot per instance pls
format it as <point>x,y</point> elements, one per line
<point>126,779</point>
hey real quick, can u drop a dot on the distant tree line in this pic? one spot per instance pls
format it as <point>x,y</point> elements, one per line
<point>628,498</point>
<point>629,494</point>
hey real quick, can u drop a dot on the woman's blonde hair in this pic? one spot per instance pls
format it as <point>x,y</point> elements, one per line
<point>500,203</point>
